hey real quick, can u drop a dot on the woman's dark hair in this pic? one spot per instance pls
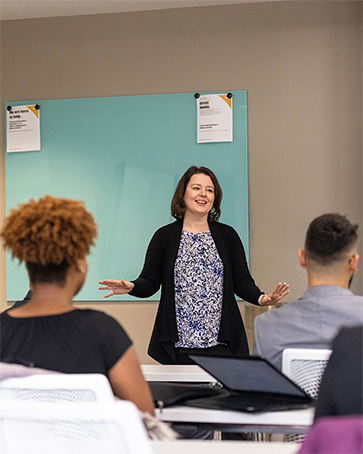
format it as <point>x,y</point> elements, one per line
<point>329,238</point>
<point>178,204</point>
<point>49,235</point>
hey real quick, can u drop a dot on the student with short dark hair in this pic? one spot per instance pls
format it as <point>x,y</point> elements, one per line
<point>330,258</point>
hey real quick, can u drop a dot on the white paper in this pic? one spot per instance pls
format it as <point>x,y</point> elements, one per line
<point>214,118</point>
<point>23,129</point>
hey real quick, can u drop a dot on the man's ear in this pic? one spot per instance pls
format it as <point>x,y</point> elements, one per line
<point>353,263</point>
<point>302,258</point>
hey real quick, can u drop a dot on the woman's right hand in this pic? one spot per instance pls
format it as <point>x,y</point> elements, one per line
<point>117,287</point>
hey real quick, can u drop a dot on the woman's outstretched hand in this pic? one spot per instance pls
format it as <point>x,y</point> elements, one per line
<point>117,287</point>
<point>276,295</point>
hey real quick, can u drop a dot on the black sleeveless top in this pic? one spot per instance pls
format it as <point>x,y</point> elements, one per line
<point>80,341</point>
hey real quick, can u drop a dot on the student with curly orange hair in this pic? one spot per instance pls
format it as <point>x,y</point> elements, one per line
<point>53,237</point>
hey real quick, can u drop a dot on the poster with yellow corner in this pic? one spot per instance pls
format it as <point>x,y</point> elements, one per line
<point>214,118</point>
<point>23,128</point>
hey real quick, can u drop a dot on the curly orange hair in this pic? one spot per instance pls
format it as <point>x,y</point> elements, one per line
<point>49,231</point>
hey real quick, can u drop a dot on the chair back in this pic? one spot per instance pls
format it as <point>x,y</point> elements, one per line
<point>305,367</point>
<point>56,388</point>
<point>58,428</point>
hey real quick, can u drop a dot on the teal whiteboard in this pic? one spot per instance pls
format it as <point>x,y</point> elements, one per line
<point>124,156</point>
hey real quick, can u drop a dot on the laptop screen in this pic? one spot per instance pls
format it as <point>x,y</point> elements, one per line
<point>247,374</point>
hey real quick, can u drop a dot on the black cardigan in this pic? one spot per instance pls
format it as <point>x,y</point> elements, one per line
<point>159,270</point>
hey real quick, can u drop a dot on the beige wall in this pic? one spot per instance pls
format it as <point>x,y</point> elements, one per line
<point>301,63</point>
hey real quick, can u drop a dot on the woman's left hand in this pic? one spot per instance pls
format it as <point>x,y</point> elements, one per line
<point>276,295</point>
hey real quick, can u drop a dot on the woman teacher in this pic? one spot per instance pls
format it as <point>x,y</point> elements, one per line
<point>200,264</point>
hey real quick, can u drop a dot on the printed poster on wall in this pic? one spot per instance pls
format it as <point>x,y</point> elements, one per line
<point>23,129</point>
<point>214,118</point>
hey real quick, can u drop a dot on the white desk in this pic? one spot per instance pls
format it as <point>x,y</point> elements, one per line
<point>222,447</point>
<point>176,373</point>
<point>292,421</point>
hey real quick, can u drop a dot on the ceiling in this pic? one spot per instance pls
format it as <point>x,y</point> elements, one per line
<point>27,9</point>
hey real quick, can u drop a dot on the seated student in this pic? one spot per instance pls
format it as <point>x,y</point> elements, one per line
<point>338,422</point>
<point>341,389</point>
<point>53,236</point>
<point>335,435</point>
<point>330,258</point>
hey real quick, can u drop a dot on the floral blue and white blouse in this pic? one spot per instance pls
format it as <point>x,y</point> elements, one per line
<point>198,277</point>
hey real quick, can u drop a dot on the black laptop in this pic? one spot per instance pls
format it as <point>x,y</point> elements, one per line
<point>250,384</point>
